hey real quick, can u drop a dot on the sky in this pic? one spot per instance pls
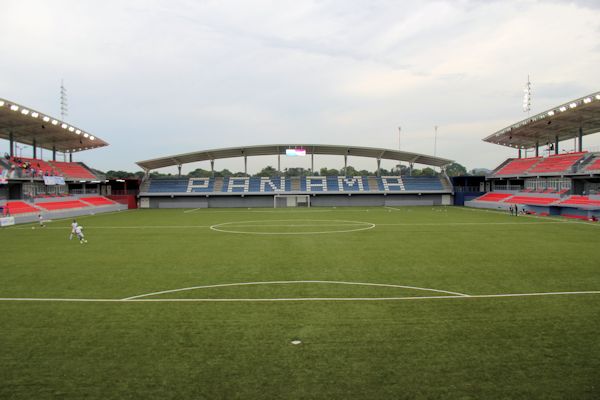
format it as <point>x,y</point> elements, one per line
<point>155,78</point>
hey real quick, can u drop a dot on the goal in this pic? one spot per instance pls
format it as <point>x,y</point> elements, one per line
<point>291,200</point>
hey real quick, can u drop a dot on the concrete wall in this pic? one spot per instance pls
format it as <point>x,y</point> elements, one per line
<point>330,200</point>
<point>61,214</point>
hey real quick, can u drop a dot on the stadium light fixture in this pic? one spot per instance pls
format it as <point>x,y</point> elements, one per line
<point>85,135</point>
<point>46,118</point>
<point>78,132</point>
<point>587,100</point>
<point>598,97</point>
<point>573,105</point>
<point>562,108</point>
<point>24,111</point>
<point>14,107</point>
<point>35,115</point>
<point>54,122</point>
<point>92,138</point>
<point>1,103</point>
<point>64,126</point>
<point>71,129</point>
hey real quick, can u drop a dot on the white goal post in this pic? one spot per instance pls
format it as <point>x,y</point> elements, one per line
<point>291,200</point>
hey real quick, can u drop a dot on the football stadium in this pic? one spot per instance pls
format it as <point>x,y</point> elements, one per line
<point>290,281</point>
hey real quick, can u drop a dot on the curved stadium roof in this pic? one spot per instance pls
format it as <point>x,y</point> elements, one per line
<point>28,126</point>
<point>562,122</point>
<point>278,149</point>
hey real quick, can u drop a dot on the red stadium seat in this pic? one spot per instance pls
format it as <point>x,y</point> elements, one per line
<point>556,163</point>
<point>531,200</point>
<point>97,201</point>
<point>580,201</point>
<point>73,170</point>
<point>60,205</point>
<point>494,197</point>
<point>518,166</point>
<point>19,207</point>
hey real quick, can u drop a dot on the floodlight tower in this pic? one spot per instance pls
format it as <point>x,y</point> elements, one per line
<point>527,97</point>
<point>526,104</point>
<point>64,106</point>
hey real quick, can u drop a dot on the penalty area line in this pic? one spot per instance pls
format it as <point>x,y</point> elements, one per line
<point>299,299</point>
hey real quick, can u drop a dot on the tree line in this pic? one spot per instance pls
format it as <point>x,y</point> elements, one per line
<point>454,169</point>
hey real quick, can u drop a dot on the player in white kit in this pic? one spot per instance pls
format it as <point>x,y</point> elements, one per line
<point>73,227</point>
<point>80,235</point>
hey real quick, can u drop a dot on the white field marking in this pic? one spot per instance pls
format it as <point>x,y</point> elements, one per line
<point>501,212</point>
<point>285,210</point>
<point>476,223</point>
<point>300,299</point>
<point>392,208</point>
<point>366,226</point>
<point>192,210</point>
<point>128,227</point>
<point>293,282</point>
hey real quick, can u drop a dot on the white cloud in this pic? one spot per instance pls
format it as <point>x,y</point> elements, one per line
<point>160,77</point>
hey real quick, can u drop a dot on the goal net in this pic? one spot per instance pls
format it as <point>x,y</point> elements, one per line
<point>291,200</point>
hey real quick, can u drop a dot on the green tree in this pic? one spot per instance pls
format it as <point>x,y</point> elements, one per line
<point>455,169</point>
<point>268,171</point>
<point>200,173</point>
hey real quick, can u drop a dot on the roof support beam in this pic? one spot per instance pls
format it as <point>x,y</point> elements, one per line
<point>12,143</point>
<point>580,141</point>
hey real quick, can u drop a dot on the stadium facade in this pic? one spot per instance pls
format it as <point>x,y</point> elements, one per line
<point>560,183</point>
<point>293,191</point>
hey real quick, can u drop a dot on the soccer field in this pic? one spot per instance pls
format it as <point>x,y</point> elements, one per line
<point>386,303</point>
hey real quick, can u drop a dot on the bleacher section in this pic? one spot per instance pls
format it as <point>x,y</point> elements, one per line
<point>494,197</point>
<point>531,200</point>
<point>97,201</point>
<point>18,207</point>
<point>169,186</point>
<point>61,205</point>
<point>556,163</point>
<point>581,201</point>
<point>594,165</point>
<point>518,166</point>
<point>308,184</point>
<point>73,170</point>
<point>422,183</point>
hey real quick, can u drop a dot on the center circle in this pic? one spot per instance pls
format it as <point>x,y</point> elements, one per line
<point>292,226</point>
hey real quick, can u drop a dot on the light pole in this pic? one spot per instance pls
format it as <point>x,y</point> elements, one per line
<point>399,131</point>
<point>435,142</point>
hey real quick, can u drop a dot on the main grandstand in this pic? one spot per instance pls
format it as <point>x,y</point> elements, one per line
<point>282,191</point>
<point>30,186</point>
<point>561,183</point>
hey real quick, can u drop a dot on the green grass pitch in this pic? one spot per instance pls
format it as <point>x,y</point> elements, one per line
<point>436,326</point>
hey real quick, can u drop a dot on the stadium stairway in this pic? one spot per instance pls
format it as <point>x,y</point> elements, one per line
<point>373,184</point>
<point>218,185</point>
<point>295,180</point>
